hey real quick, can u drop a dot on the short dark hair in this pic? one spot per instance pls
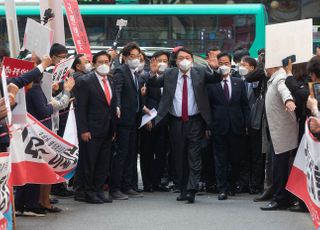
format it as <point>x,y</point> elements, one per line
<point>129,47</point>
<point>313,66</point>
<point>212,49</point>
<point>186,50</point>
<point>224,54</point>
<point>251,61</point>
<point>57,49</point>
<point>76,61</point>
<point>101,53</point>
<point>160,53</point>
<point>238,54</point>
<point>144,55</point>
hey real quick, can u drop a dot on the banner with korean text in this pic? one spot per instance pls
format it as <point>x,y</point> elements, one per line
<point>77,28</point>
<point>39,156</point>
<point>304,179</point>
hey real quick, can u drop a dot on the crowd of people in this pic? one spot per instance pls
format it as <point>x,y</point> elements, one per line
<point>229,127</point>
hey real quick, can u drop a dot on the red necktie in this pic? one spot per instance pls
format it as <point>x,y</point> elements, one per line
<point>226,90</point>
<point>184,111</point>
<point>106,90</point>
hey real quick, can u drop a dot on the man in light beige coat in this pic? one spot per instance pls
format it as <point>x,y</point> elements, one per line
<point>283,128</point>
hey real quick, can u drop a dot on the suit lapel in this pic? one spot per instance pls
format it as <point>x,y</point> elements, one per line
<point>174,79</point>
<point>195,82</point>
<point>98,87</point>
<point>131,77</point>
<point>220,89</point>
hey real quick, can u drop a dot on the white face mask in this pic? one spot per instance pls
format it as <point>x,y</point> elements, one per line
<point>103,69</point>
<point>243,71</point>
<point>140,67</point>
<point>162,66</point>
<point>185,65</point>
<point>225,70</point>
<point>133,64</point>
<point>87,67</point>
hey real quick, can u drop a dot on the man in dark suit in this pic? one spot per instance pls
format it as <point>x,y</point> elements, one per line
<point>229,106</point>
<point>129,108</point>
<point>96,113</point>
<point>185,105</point>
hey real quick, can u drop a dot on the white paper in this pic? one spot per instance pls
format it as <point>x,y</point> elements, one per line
<point>46,85</point>
<point>6,96</point>
<point>146,118</point>
<point>19,113</point>
<point>37,38</point>
<point>61,69</point>
<point>286,39</point>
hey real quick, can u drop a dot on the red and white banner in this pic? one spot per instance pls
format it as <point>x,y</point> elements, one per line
<point>39,156</point>
<point>61,70</point>
<point>77,28</point>
<point>16,67</point>
<point>4,188</point>
<point>304,179</point>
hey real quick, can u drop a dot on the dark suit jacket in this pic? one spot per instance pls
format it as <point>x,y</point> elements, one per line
<point>128,96</point>
<point>199,76</point>
<point>229,116</point>
<point>93,112</point>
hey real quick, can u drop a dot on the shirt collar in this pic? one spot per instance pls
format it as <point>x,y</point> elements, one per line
<point>187,73</point>
<point>100,77</point>
<point>228,79</point>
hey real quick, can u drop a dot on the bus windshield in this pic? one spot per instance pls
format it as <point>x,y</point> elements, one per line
<point>197,27</point>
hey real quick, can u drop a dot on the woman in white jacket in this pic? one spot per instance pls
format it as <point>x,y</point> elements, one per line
<point>283,126</point>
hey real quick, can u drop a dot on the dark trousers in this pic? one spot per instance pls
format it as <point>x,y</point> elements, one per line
<point>153,154</point>
<point>27,196</point>
<point>281,165</point>
<point>227,155</point>
<point>256,160</point>
<point>96,164</point>
<point>123,158</point>
<point>78,185</point>
<point>186,146</point>
<point>208,173</point>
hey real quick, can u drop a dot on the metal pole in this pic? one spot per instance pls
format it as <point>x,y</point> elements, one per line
<point>12,27</point>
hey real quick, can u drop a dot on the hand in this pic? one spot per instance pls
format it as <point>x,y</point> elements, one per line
<point>86,137</point>
<point>290,106</point>
<point>314,125</point>
<point>118,112</point>
<point>312,103</point>
<point>208,134</point>
<point>213,62</point>
<point>68,84</point>
<point>3,109</point>
<point>288,68</point>
<point>146,110</point>
<point>113,53</point>
<point>154,68</point>
<point>148,126</point>
<point>144,90</point>
<point>13,89</point>
<point>12,99</point>
<point>55,86</point>
<point>46,62</point>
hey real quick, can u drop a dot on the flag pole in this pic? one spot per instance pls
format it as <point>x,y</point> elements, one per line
<point>12,27</point>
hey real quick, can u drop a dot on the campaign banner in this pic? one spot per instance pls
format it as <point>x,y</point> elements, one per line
<point>4,189</point>
<point>61,70</point>
<point>16,67</point>
<point>37,38</point>
<point>304,179</point>
<point>77,28</point>
<point>39,156</point>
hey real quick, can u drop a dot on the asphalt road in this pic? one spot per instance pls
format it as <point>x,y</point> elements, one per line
<point>160,211</point>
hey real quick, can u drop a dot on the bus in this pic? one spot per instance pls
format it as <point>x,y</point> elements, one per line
<point>198,27</point>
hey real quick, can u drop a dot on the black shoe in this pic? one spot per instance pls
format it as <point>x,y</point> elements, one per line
<point>79,196</point>
<point>231,193</point>
<point>160,188</point>
<point>62,192</point>
<point>222,196</point>
<point>52,209</point>
<point>298,208</point>
<point>34,212</point>
<point>264,197</point>
<point>133,194</point>
<point>273,205</point>
<point>190,197</point>
<point>254,191</point>
<point>93,200</point>
<point>54,201</point>
<point>148,189</point>
<point>105,199</point>
<point>119,196</point>
<point>182,196</point>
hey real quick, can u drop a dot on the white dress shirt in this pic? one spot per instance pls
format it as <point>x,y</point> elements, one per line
<point>100,78</point>
<point>177,100</point>
<point>229,85</point>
